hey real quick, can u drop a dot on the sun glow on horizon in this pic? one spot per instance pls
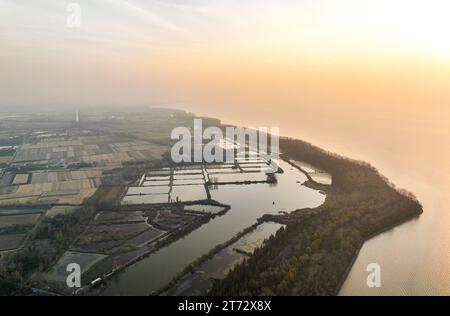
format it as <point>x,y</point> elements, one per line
<point>137,50</point>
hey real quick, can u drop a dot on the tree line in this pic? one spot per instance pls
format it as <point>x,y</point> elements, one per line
<point>313,253</point>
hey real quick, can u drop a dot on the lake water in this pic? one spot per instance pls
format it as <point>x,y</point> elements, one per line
<point>414,257</point>
<point>248,202</point>
<point>410,144</point>
<point>217,267</point>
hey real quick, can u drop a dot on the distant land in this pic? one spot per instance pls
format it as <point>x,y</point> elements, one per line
<point>99,189</point>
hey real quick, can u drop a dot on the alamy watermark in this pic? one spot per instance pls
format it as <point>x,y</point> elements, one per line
<point>74,15</point>
<point>212,146</point>
<point>74,277</point>
<point>374,278</point>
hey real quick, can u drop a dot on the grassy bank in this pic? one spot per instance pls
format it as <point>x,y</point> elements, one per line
<point>199,261</point>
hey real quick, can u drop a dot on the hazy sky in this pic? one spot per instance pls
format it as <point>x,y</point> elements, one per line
<point>366,78</point>
<point>140,51</point>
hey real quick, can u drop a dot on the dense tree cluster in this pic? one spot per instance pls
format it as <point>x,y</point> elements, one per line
<point>313,254</point>
<point>47,242</point>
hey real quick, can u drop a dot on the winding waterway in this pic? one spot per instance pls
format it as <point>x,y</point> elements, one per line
<point>248,202</point>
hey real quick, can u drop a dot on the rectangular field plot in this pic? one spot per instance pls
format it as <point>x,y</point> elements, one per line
<point>253,165</point>
<point>237,178</point>
<point>20,179</point>
<point>188,176</point>
<point>188,171</point>
<point>161,172</point>
<point>148,190</point>
<point>145,199</point>
<point>257,169</point>
<point>85,260</point>
<point>157,178</point>
<point>155,183</point>
<point>223,170</point>
<point>25,219</point>
<point>9,242</point>
<point>188,182</point>
<point>221,166</point>
<point>91,149</point>
<point>53,176</point>
<point>5,159</point>
<point>188,193</point>
<point>251,161</point>
<point>56,186</point>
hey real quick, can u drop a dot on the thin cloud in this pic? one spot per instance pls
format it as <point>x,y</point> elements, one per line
<point>149,16</point>
<point>186,7</point>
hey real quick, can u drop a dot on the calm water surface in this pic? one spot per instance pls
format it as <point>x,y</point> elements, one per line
<point>248,202</point>
<point>410,145</point>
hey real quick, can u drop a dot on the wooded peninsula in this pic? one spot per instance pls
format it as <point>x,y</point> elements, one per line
<point>315,251</point>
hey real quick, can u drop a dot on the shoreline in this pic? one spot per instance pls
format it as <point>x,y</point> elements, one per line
<point>218,248</point>
<point>356,255</point>
<point>355,178</point>
<point>318,249</point>
<point>200,260</point>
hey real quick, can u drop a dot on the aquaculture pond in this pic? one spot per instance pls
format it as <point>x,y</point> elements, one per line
<point>248,203</point>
